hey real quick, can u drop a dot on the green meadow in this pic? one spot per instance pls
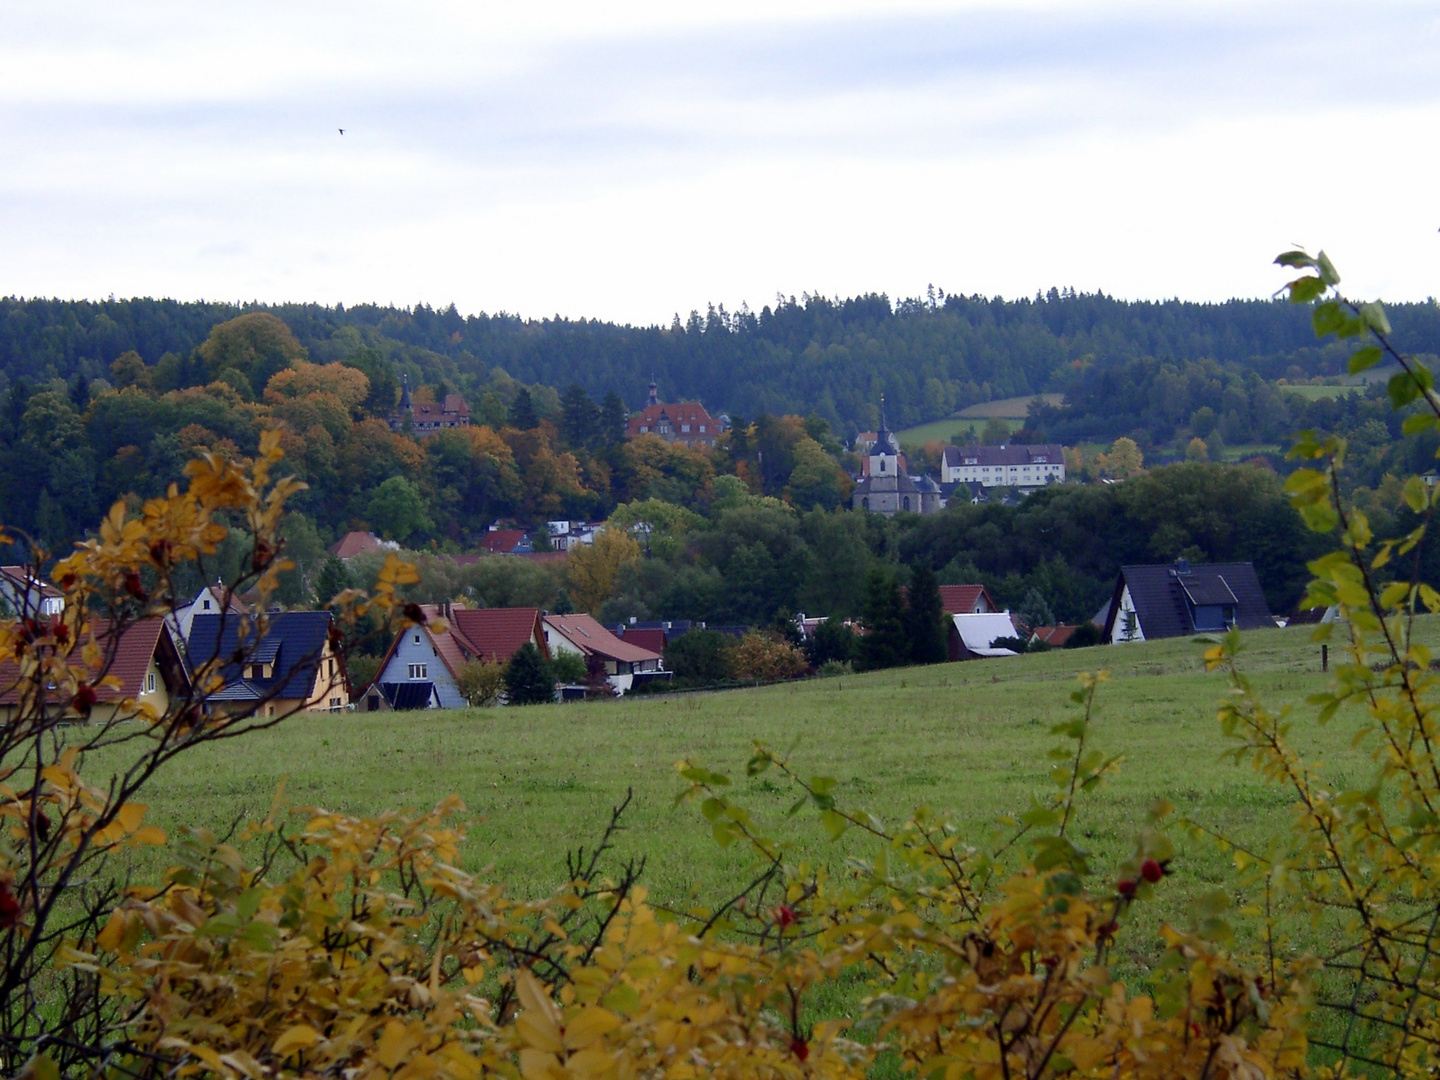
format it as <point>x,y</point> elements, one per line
<point>970,738</point>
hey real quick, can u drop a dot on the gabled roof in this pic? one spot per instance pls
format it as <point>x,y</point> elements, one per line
<point>503,541</point>
<point>677,413</point>
<point>1008,454</point>
<point>590,637</point>
<point>141,641</point>
<point>356,543</point>
<point>296,639</point>
<point>1164,595</point>
<point>1054,636</point>
<point>978,631</point>
<point>496,634</point>
<point>961,599</point>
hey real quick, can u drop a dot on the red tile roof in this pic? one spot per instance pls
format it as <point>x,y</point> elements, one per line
<point>652,638</point>
<point>355,543</point>
<point>1054,635</point>
<point>962,599</point>
<point>590,637</point>
<point>677,413</point>
<point>132,655</point>
<point>495,634</point>
<point>502,541</point>
<point>23,580</point>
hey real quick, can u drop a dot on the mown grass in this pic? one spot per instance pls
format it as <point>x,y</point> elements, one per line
<point>970,738</point>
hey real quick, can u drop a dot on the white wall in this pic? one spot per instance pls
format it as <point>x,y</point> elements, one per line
<point>1125,615</point>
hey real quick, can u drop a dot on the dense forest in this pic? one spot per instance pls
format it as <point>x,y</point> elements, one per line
<point>832,358</point>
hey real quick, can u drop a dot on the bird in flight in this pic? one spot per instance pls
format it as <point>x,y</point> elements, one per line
<point>341,130</point>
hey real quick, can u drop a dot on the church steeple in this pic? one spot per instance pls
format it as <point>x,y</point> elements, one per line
<point>404,392</point>
<point>654,398</point>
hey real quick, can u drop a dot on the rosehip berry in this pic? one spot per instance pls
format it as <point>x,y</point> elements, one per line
<point>785,915</point>
<point>1151,871</point>
<point>1108,930</point>
<point>134,586</point>
<point>1126,888</point>
<point>414,614</point>
<point>59,631</point>
<point>9,908</point>
<point>84,699</point>
<point>799,1048</point>
<point>67,582</point>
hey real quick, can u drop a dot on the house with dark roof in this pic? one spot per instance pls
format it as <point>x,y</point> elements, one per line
<point>625,662</point>
<point>1176,600</point>
<point>677,421</point>
<point>289,667</point>
<point>507,542</point>
<point>210,600</point>
<point>422,668</point>
<point>1010,465</point>
<point>144,658</point>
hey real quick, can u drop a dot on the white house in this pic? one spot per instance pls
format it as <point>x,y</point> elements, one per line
<point>1004,466</point>
<point>27,596</point>
<point>624,661</point>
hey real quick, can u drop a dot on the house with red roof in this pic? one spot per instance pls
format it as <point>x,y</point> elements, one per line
<point>423,665</point>
<point>966,600</point>
<point>684,422</point>
<point>358,543</point>
<point>507,542</point>
<point>625,662</point>
<point>143,657</point>
<point>26,596</point>
<point>422,418</point>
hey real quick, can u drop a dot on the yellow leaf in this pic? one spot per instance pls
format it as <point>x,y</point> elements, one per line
<point>395,1042</point>
<point>150,834</point>
<point>129,816</point>
<point>299,1037</point>
<point>113,934</point>
<point>536,1065</point>
<point>588,1026</point>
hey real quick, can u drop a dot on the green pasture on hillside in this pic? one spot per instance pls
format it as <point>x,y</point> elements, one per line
<point>969,737</point>
<point>952,431</point>
<point>1315,393</point>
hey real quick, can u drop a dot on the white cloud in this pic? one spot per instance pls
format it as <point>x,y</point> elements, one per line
<point>631,161</point>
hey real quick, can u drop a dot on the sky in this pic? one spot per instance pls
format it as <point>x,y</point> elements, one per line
<point>634,160</point>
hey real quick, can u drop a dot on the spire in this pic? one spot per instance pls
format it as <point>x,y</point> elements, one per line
<point>883,425</point>
<point>404,392</point>
<point>654,398</point>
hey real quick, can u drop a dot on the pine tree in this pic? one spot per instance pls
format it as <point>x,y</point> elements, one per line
<point>612,420</point>
<point>334,578</point>
<point>578,416</point>
<point>925,626</point>
<point>528,677</point>
<point>522,411</point>
<point>884,644</point>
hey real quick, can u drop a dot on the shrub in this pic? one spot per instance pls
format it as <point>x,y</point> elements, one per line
<point>568,667</point>
<point>481,683</point>
<point>700,658</point>
<point>767,658</point>
<point>529,678</point>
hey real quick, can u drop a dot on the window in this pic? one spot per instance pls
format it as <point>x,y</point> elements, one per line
<point>702,427</point>
<point>206,605</point>
<point>417,671</point>
<point>150,683</point>
<point>907,502</point>
<point>332,667</point>
<point>684,427</point>
<point>882,464</point>
<point>417,639</point>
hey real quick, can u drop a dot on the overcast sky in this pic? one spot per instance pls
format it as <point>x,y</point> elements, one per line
<point>633,160</point>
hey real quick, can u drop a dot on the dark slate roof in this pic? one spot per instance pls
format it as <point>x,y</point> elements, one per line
<point>1160,596</point>
<point>297,636</point>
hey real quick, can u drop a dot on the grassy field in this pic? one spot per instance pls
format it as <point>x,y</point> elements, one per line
<point>952,430</point>
<point>1014,408</point>
<point>967,737</point>
<point>1315,393</point>
<point>971,420</point>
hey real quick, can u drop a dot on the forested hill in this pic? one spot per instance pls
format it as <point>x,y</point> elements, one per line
<point>834,358</point>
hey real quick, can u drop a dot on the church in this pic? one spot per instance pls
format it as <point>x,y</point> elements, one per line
<point>887,488</point>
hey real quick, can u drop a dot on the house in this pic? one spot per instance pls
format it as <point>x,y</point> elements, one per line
<point>1054,636</point>
<point>684,422</point>
<point>1004,466</point>
<point>885,487</point>
<point>966,600</point>
<point>1150,602</point>
<point>422,668</point>
<point>972,636</point>
<point>507,542</point>
<point>144,657</point>
<point>565,535</point>
<point>25,596</point>
<point>358,543</point>
<point>625,663</point>
<point>211,600</point>
<point>428,418</point>
<point>291,667</point>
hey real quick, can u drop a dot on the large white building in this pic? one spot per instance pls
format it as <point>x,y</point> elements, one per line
<point>1004,466</point>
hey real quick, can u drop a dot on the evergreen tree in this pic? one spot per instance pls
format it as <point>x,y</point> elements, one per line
<point>563,606</point>
<point>832,640</point>
<point>1034,611</point>
<point>334,578</point>
<point>578,416</point>
<point>925,618</point>
<point>529,679</point>
<point>522,411</point>
<point>612,420</point>
<point>884,644</point>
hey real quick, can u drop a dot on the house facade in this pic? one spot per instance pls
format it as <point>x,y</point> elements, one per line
<point>428,418</point>
<point>966,600</point>
<point>422,668</point>
<point>291,667</point>
<point>26,596</point>
<point>676,421</point>
<point>625,662</point>
<point>886,487</point>
<point>1180,599</point>
<point>1004,466</point>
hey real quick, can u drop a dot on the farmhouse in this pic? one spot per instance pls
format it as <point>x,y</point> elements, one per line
<point>972,636</point>
<point>887,488</point>
<point>966,600</point>
<point>144,657</point>
<point>422,667</point>
<point>1151,602</point>
<point>1004,466</point>
<point>678,421</point>
<point>291,667</point>
<point>625,663</point>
